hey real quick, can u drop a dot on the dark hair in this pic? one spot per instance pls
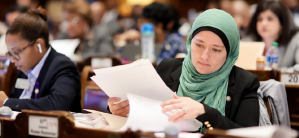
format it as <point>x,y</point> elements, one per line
<point>162,13</point>
<point>80,7</point>
<point>31,26</point>
<point>289,28</point>
<point>16,8</point>
<point>215,2</point>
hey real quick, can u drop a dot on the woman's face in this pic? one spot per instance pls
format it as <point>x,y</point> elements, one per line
<point>26,52</point>
<point>76,26</point>
<point>208,52</point>
<point>268,25</point>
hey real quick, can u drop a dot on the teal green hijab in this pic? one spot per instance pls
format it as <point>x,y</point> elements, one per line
<point>210,89</point>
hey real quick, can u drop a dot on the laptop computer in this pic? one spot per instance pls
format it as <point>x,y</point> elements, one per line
<point>248,53</point>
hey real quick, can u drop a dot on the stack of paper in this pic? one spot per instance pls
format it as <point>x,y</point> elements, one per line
<point>94,120</point>
<point>139,83</point>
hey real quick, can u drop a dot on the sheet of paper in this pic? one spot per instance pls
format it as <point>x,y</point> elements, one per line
<point>93,121</point>
<point>139,78</point>
<point>140,83</point>
<point>263,132</point>
<point>14,115</point>
<point>66,47</point>
<point>146,115</point>
<point>115,122</point>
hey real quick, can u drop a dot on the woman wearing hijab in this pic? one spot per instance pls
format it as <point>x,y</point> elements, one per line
<point>208,86</point>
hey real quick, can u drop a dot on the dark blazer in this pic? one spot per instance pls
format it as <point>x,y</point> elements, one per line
<point>242,110</point>
<point>59,87</point>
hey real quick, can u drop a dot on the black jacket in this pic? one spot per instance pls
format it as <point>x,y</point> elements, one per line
<point>243,108</point>
<point>59,84</point>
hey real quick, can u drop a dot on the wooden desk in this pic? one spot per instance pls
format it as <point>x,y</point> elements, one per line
<point>19,128</point>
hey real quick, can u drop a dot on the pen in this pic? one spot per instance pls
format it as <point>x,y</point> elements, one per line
<point>36,90</point>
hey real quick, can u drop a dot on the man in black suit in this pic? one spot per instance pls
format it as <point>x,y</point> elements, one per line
<point>47,80</point>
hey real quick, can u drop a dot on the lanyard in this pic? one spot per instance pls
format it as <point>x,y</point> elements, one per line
<point>36,90</point>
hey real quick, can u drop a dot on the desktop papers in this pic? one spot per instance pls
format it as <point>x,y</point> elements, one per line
<point>142,86</point>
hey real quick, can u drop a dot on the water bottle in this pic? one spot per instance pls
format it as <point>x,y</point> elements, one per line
<point>272,56</point>
<point>147,42</point>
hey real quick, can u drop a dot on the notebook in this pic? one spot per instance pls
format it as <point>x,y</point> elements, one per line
<point>248,53</point>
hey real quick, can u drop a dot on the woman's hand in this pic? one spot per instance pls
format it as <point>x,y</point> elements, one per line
<point>188,108</point>
<point>120,109</point>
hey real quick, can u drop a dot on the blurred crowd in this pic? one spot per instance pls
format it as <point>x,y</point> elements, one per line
<point>103,31</point>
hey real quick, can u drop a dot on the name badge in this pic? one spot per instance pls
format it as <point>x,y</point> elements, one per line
<point>22,84</point>
<point>43,126</point>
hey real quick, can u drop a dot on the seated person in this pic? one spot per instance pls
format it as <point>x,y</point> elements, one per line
<point>47,80</point>
<point>207,84</point>
<point>272,22</point>
<point>10,15</point>
<point>166,24</point>
<point>95,40</point>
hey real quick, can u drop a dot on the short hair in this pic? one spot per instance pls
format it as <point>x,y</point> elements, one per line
<point>162,13</point>
<point>31,25</point>
<point>289,29</point>
<point>16,8</point>
<point>80,7</point>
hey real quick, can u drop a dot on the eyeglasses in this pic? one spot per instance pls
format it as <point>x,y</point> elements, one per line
<point>74,21</point>
<point>15,55</point>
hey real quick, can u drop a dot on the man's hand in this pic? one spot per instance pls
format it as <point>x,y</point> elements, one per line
<point>3,97</point>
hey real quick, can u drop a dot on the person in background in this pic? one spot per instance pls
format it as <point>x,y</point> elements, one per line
<point>226,5</point>
<point>46,79</point>
<point>294,7</point>
<point>166,24</point>
<point>30,4</point>
<point>212,4</point>
<point>94,40</point>
<point>272,22</point>
<point>208,86</point>
<point>11,14</point>
<point>241,14</point>
<point>97,9</point>
<point>111,13</point>
<point>136,14</point>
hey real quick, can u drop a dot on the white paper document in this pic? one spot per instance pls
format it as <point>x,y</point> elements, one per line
<point>66,47</point>
<point>140,83</point>
<point>138,78</point>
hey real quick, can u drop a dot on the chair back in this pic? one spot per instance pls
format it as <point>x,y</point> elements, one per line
<point>89,90</point>
<point>276,101</point>
<point>8,74</point>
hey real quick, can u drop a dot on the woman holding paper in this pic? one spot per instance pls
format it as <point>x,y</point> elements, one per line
<point>209,87</point>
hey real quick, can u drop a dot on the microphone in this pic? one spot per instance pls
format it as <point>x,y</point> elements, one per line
<point>172,131</point>
<point>5,111</point>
